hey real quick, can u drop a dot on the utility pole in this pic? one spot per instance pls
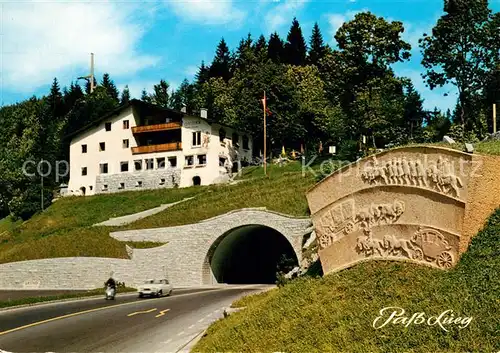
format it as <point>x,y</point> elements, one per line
<point>494,117</point>
<point>91,76</point>
<point>265,136</point>
<point>91,72</point>
<point>41,176</point>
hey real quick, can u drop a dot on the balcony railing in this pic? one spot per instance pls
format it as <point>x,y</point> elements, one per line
<point>164,147</point>
<point>156,127</point>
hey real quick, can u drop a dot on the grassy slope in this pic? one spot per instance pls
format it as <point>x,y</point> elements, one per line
<point>335,313</point>
<point>65,228</point>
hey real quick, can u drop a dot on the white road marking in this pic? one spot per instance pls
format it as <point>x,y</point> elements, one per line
<point>168,341</point>
<point>180,333</point>
<point>201,320</point>
<point>190,327</point>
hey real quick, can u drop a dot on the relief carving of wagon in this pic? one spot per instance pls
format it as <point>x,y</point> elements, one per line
<point>433,247</point>
<point>341,218</point>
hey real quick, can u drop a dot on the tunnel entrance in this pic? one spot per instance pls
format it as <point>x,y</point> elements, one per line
<point>251,254</point>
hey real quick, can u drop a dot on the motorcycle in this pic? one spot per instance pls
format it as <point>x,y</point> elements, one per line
<point>110,293</point>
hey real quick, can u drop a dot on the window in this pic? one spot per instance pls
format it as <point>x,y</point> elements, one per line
<point>197,139</point>
<point>102,146</point>
<point>122,186</point>
<point>160,163</point>
<point>125,124</point>
<point>236,140</point>
<point>139,184</point>
<point>103,168</point>
<point>149,163</point>
<point>189,161</point>
<point>124,166</point>
<point>202,159</point>
<point>138,164</point>
<point>222,161</point>
<point>84,170</point>
<point>222,135</point>
<point>84,148</point>
<point>105,187</point>
<point>125,143</point>
<point>172,161</point>
<point>107,126</point>
<point>91,187</point>
<point>245,142</point>
<point>162,181</point>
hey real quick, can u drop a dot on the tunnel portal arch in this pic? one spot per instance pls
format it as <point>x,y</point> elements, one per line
<point>248,254</point>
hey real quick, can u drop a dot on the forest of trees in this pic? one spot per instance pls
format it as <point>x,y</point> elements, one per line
<point>315,93</point>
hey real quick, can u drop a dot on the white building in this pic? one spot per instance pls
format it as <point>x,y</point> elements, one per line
<point>143,146</point>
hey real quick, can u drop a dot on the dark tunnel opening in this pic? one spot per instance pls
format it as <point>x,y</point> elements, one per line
<point>251,254</point>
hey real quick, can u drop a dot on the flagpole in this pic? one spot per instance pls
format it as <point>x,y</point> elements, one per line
<point>265,136</point>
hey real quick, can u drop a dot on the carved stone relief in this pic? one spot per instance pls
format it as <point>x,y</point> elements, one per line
<point>345,219</point>
<point>437,176</point>
<point>426,244</point>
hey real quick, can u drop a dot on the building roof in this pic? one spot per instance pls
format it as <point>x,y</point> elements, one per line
<point>139,103</point>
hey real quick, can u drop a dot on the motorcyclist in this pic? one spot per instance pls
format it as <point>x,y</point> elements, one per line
<point>111,282</point>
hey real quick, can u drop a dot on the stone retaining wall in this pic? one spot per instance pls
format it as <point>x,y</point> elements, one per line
<point>65,273</point>
<point>151,179</point>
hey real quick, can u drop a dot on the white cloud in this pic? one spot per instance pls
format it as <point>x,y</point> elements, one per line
<point>208,12</point>
<point>42,40</point>
<point>283,13</point>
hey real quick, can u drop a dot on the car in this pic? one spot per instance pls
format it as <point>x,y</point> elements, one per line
<point>155,288</point>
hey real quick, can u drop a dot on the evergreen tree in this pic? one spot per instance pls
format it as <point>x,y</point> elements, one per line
<point>125,98</point>
<point>295,48</point>
<point>183,97</point>
<point>145,97</point>
<point>275,49</point>
<point>221,65</point>
<point>110,87</point>
<point>161,96</point>
<point>55,100</point>
<point>414,112</point>
<point>260,49</point>
<point>317,47</point>
<point>202,75</point>
<point>245,55</point>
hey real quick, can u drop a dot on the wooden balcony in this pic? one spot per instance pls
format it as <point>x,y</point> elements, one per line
<point>156,127</point>
<point>164,147</point>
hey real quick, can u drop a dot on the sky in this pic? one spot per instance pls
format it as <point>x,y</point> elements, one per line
<point>139,43</point>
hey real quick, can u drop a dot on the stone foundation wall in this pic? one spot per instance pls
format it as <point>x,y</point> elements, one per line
<point>151,179</point>
<point>65,273</point>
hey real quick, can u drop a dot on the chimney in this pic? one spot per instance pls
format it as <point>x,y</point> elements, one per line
<point>204,113</point>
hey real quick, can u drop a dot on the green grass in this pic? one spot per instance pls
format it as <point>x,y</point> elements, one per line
<point>282,193</point>
<point>34,300</point>
<point>65,228</point>
<point>335,313</point>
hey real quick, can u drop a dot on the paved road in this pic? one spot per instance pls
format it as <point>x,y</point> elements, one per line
<point>127,324</point>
